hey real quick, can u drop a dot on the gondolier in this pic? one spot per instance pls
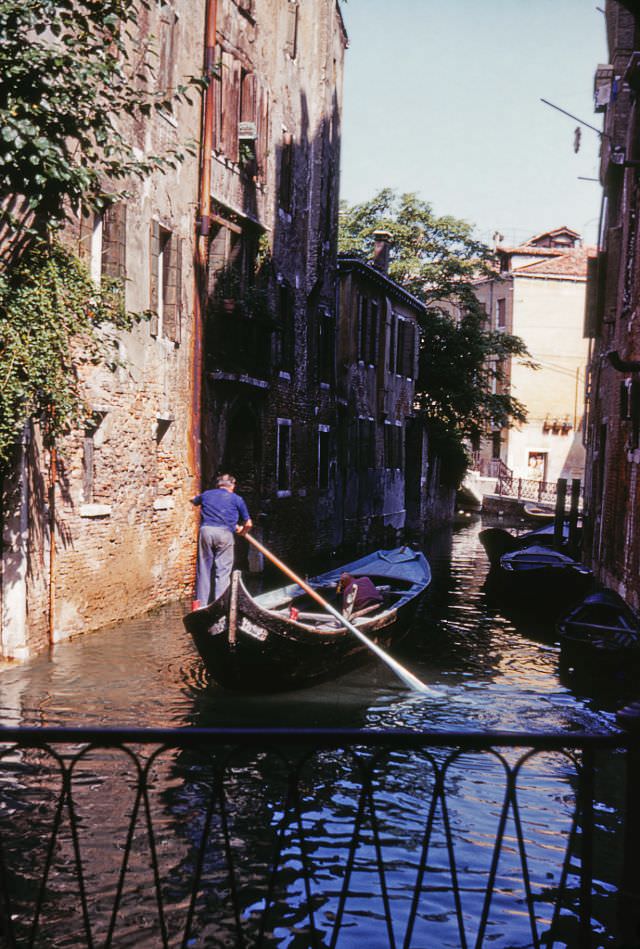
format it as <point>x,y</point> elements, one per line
<point>224,514</point>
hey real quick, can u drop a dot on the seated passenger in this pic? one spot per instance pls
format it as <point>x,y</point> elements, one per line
<point>358,594</point>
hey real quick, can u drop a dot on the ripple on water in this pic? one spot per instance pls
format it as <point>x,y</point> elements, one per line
<point>489,672</point>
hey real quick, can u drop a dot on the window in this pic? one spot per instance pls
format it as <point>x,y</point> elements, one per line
<point>285,192</point>
<point>501,314</point>
<point>283,457</point>
<point>537,466</point>
<point>393,445</point>
<point>366,448</point>
<point>496,445</point>
<point>402,347</point>
<point>166,283</point>
<point>291,44</point>
<point>326,346</point>
<point>87,464</point>
<point>103,241</point>
<point>393,336</point>
<point>323,456</point>
<point>367,330</point>
<point>286,327</point>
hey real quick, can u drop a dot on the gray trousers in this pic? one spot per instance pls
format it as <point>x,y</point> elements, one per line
<point>215,562</point>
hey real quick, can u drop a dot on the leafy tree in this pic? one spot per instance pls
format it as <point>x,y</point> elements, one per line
<point>437,259</point>
<point>73,78</point>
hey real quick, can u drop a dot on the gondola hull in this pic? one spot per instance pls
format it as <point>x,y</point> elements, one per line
<point>602,633</point>
<point>538,580</point>
<point>252,643</point>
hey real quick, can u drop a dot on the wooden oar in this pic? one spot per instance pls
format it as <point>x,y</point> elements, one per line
<point>407,677</point>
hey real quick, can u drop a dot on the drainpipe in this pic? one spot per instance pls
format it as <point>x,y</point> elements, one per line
<point>53,478</point>
<point>202,238</point>
<point>203,223</point>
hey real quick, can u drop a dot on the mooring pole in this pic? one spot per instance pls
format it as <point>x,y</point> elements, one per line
<point>558,523</point>
<point>574,542</point>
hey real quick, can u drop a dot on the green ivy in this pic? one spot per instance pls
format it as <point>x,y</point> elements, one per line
<point>53,319</point>
<point>74,75</point>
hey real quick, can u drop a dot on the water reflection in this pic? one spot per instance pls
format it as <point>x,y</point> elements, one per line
<point>489,673</point>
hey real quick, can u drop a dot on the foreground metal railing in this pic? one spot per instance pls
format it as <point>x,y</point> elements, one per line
<point>202,837</point>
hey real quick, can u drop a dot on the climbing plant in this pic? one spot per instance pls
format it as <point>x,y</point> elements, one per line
<point>74,75</point>
<point>53,320</point>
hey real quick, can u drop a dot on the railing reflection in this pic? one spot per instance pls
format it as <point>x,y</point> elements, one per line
<point>202,837</point>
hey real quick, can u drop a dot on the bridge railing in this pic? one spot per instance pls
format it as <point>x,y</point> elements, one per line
<point>527,489</point>
<point>200,837</point>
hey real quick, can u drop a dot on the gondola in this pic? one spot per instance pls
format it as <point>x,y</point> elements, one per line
<point>283,640</point>
<point>539,579</point>
<point>497,541</point>
<point>601,632</point>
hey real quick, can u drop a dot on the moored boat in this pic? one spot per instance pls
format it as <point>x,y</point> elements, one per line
<point>602,632</point>
<point>539,579</point>
<point>283,640</point>
<point>497,541</point>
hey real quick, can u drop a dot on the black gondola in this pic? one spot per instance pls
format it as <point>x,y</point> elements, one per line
<point>282,640</point>
<point>539,579</point>
<point>497,541</point>
<point>601,632</point>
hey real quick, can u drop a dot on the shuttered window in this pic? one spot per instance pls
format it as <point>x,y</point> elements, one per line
<point>286,327</point>
<point>283,456</point>
<point>113,252</point>
<point>326,347</point>
<point>285,192</point>
<point>323,457</point>
<point>366,454</point>
<point>291,44</point>
<point>165,289</point>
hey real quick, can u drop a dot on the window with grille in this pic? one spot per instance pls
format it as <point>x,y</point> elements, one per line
<point>393,445</point>
<point>283,457</point>
<point>324,433</point>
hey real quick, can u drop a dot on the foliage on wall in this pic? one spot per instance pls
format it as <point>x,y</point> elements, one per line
<point>70,71</point>
<point>53,319</point>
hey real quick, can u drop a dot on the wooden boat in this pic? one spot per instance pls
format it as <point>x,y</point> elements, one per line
<point>539,579</point>
<point>602,630</point>
<point>282,640</point>
<point>497,541</point>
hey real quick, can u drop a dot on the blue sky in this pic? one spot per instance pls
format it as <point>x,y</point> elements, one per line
<point>442,97</point>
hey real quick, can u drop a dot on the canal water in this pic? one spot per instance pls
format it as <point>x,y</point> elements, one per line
<point>488,674</point>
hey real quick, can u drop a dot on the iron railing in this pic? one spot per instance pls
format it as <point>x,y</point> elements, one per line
<point>201,837</point>
<point>527,489</point>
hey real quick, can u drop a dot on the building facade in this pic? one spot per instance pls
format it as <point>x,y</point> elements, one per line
<point>383,450</point>
<point>539,295</point>
<point>613,321</point>
<point>269,409</point>
<point>231,255</point>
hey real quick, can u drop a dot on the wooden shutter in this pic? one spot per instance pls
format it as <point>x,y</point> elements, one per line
<point>114,241</point>
<point>172,288</point>
<point>291,44</point>
<point>218,86</point>
<point>262,121</point>
<point>614,248</point>
<point>154,277</point>
<point>233,109</point>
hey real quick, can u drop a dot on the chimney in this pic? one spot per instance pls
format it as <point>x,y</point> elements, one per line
<point>381,245</point>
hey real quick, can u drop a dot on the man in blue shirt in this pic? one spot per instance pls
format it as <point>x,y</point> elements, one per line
<point>224,514</point>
